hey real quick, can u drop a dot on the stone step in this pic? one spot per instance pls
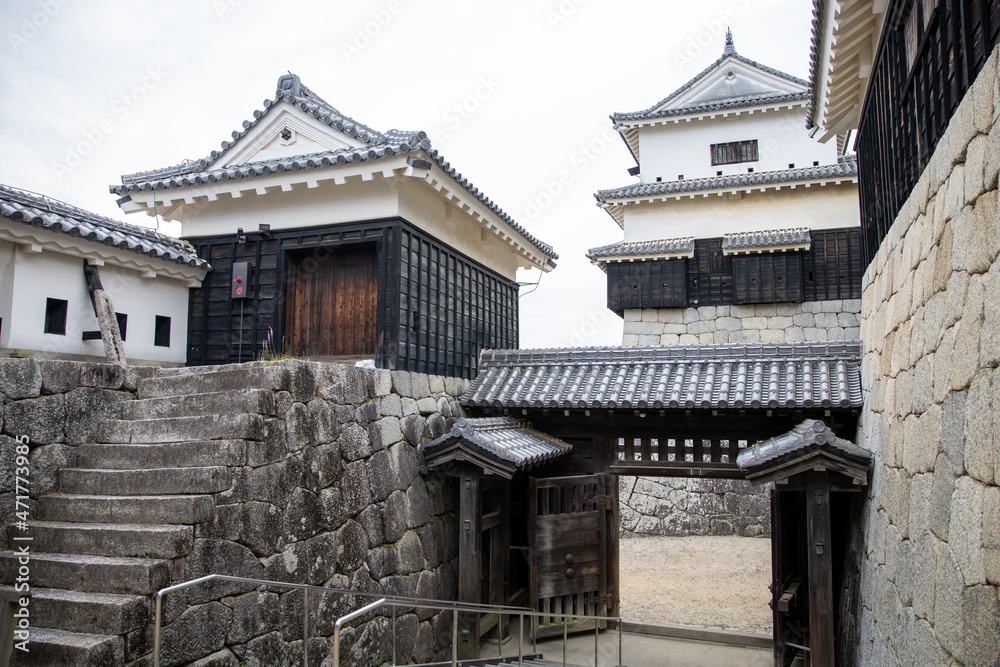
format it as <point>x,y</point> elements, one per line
<point>181,429</point>
<point>151,509</point>
<point>58,647</point>
<point>271,377</point>
<point>256,401</point>
<point>151,482</point>
<point>100,574</point>
<point>89,613</point>
<point>193,453</point>
<point>105,539</point>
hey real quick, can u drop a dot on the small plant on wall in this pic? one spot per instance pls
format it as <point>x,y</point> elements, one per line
<point>268,352</point>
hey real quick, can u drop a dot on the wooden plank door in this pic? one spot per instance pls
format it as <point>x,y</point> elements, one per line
<point>568,538</point>
<point>331,302</point>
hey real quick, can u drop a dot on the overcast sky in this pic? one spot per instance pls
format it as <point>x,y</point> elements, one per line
<point>514,94</point>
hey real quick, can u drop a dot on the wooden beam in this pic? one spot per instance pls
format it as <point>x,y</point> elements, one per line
<point>469,560</point>
<point>821,637</point>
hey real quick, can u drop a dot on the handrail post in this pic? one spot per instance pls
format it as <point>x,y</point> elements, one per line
<point>454,638</point>
<point>520,641</point>
<point>620,663</point>
<point>565,637</point>
<point>500,635</point>
<point>393,635</point>
<point>305,627</point>
<point>336,645</point>
<point>597,627</point>
<point>156,631</point>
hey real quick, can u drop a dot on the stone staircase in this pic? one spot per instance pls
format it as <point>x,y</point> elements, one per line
<point>125,517</point>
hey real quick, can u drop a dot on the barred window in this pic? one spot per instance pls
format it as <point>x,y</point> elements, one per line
<point>734,151</point>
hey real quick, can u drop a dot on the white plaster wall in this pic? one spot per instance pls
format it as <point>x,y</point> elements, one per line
<point>826,207</point>
<point>666,151</point>
<point>39,276</point>
<point>6,288</point>
<point>300,207</point>
<point>422,207</point>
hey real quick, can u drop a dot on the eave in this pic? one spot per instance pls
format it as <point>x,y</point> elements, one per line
<point>42,240</point>
<point>174,203</point>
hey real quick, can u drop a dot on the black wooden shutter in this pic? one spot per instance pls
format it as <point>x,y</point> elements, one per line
<point>768,278</point>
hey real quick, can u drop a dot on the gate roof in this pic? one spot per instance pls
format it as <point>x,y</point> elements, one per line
<point>683,377</point>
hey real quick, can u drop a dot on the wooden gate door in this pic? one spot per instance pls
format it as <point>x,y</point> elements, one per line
<point>332,302</point>
<point>568,550</point>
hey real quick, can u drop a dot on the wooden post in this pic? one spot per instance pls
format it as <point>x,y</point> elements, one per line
<point>469,561</point>
<point>820,569</point>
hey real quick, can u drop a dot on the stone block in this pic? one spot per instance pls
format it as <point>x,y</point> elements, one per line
<point>355,488</point>
<point>380,475</point>
<point>804,320</point>
<point>413,429</point>
<point>965,357</point>
<point>795,335</point>
<point>427,405</point>
<point>352,547</point>
<point>409,554</point>
<point>42,419</point>
<point>691,315</point>
<point>688,339</point>
<point>199,631</point>
<point>827,320</point>
<point>992,158</point>
<point>981,622</point>
<point>939,506</point>
<point>744,336</point>
<point>420,385</point>
<point>254,614</point>
<point>669,315</point>
<point>991,534</point>
<point>401,383</point>
<point>379,382</point>
<point>371,520</point>
<point>303,516</point>
<point>669,339</point>
<point>384,432</point>
<point>966,528</point>
<point>989,341</point>
<point>390,406</point>
<point>707,338</point>
<point>948,589</point>
<point>772,336</point>
<point>978,447</point>
<point>455,386</point>
<point>983,234</point>
<point>920,500</point>
<point>86,408</point>
<point>701,326</point>
<point>630,340</point>
<point>58,377</point>
<point>924,570</point>
<point>20,378</point>
<point>633,315</point>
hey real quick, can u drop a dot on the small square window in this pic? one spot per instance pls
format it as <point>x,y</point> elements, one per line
<point>680,177</point>
<point>659,179</point>
<point>815,163</point>
<point>122,323</point>
<point>791,165</point>
<point>161,334</point>
<point>55,316</point>
<point>749,170</point>
<point>718,173</point>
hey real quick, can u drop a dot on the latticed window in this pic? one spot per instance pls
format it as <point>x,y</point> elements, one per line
<point>734,152</point>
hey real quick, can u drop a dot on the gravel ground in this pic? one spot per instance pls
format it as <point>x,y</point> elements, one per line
<point>712,581</point>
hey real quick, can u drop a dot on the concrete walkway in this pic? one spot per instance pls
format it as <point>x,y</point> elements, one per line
<point>640,650</point>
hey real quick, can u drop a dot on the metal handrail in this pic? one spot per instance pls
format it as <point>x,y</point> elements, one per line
<point>472,607</point>
<point>398,601</point>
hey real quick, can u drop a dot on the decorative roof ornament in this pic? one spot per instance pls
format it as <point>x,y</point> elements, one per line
<point>730,49</point>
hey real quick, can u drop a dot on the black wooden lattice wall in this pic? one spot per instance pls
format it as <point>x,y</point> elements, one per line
<point>912,96</point>
<point>831,269</point>
<point>437,308</point>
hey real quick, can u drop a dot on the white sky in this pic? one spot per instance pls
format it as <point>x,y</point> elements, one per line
<point>513,94</point>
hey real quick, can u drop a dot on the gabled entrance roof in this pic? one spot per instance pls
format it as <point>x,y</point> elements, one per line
<point>499,445</point>
<point>809,446</point>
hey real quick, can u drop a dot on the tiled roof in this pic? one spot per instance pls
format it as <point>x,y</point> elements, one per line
<point>846,166</point>
<point>805,441</point>
<point>43,212</point>
<point>379,145</point>
<point>753,100</point>
<point>763,99</point>
<point>772,238</point>
<point>498,444</point>
<point>814,57</point>
<point>682,247</point>
<point>753,376</point>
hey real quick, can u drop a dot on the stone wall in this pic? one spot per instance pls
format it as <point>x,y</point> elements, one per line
<point>57,405</point>
<point>755,323</point>
<point>680,507</point>
<point>927,588</point>
<point>326,489</point>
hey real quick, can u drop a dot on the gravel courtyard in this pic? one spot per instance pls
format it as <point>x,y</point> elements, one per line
<point>712,581</point>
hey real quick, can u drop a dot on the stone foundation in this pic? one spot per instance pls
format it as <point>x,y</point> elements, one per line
<point>682,507</point>
<point>929,559</point>
<point>756,323</point>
